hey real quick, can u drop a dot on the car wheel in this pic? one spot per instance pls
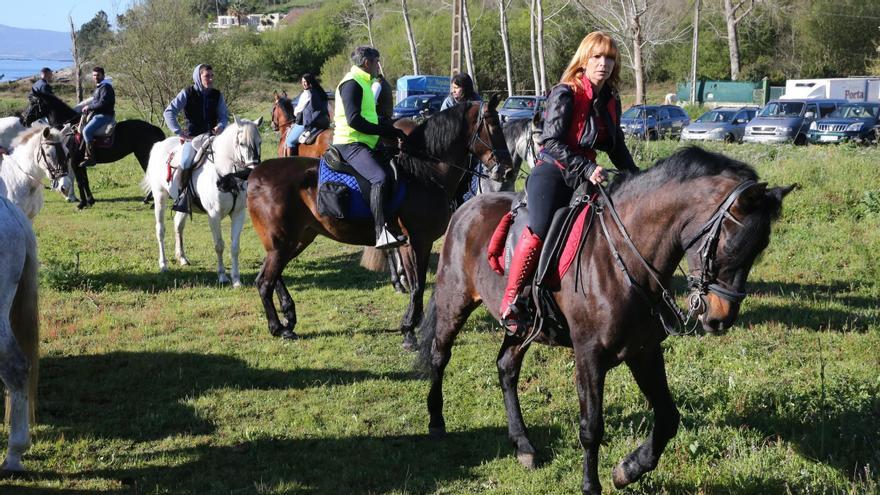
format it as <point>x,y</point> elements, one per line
<point>800,140</point>
<point>729,139</point>
<point>652,136</point>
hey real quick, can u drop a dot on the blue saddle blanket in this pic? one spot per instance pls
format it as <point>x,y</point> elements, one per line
<point>358,208</point>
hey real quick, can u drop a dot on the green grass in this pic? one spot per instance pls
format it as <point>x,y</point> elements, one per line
<point>170,383</point>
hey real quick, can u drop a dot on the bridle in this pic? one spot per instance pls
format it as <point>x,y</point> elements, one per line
<point>701,282</point>
<point>240,162</point>
<point>476,138</point>
<point>56,170</point>
<point>275,126</point>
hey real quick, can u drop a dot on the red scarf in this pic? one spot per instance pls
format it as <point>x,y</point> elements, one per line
<point>583,106</point>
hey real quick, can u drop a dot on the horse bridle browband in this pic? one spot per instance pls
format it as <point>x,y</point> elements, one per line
<point>700,285</point>
<point>275,126</point>
<point>493,157</point>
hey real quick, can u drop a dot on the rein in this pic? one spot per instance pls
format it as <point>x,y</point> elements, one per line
<point>700,285</point>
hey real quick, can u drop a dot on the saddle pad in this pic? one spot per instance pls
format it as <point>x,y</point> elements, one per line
<point>358,208</point>
<point>568,253</point>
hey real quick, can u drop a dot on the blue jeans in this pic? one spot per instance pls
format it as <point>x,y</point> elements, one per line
<point>293,135</point>
<point>99,120</point>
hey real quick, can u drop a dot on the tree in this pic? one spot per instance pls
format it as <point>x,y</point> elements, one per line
<point>306,45</point>
<point>92,40</point>
<point>505,43</point>
<point>640,26</point>
<point>410,38</point>
<point>734,12</point>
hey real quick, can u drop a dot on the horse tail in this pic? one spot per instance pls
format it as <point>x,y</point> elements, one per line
<point>426,339</point>
<point>25,320</point>
<point>374,259</point>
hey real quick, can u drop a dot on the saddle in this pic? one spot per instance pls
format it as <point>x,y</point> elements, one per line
<point>562,247</point>
<point>103,135</point>
<point>310,135</point>
<point>344,194</point>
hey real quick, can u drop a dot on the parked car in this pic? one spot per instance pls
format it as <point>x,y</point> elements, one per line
<point>418,105</point>
<point>720,124</point>
<point>654,121</point>
<point>520,107</point>
<point>784,121</point>
<point>859,122</point>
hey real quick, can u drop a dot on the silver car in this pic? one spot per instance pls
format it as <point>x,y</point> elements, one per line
<point>726,124</point>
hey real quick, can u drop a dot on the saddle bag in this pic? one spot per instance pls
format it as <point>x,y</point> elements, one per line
<point>333,199</point>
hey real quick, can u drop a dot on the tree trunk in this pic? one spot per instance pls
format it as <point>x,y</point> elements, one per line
<point>694,48</point>
<point>468,46</point>
<point>533,48</point>
<point>505,42</point>
<point>732,41</point>
<point>539,23</point>
<point>638,69</point>
<point>410,38</point>
<point>76,67</point>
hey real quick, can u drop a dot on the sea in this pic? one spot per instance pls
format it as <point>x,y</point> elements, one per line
<point>12,69</point>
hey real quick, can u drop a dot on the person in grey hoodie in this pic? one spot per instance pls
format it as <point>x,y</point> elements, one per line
<point>205,112</point>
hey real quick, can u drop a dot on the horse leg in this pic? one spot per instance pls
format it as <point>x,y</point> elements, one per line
<point>214,221</point>
<point>391,257</point>
<point>288,307</point>
<point>649,372</point>
<point>86,186</point>
<point>179,225</point>
<point>235,240</point>
<point>81,180</point>
<point>590,375</point>
<point>268,280</point>
<point>447,312</point>
<point>509,363</point>
<point>14,373</point>
<point>159,212</point>
<point>419,255</point>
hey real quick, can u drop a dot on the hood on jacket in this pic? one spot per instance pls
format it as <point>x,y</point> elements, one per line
<point>197,81</point>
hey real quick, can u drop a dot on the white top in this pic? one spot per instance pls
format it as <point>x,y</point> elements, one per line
<point>377,88</point>
<point>304,98</point>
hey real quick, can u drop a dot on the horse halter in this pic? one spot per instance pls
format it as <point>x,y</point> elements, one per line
<point>275,126</point>
<point>476,138</point>
<point>56,169</point>
<point>706,278</point>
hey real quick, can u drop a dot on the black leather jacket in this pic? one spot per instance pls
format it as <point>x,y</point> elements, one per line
<point>559,111</point>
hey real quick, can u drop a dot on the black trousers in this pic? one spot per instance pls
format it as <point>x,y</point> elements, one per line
<point>361,158</point>
<point>547,192</point>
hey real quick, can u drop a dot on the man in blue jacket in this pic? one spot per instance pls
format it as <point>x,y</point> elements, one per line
<point>102,107</point>
<point>205,111</point>
<point>42,84</point>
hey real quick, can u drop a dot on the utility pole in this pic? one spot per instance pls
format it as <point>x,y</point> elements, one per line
<point>455,66</point>
<point>694,52</point>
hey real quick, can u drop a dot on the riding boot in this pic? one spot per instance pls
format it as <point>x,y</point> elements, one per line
<point>87,155</point>
<point>522,267</point>
<point>385,238</point>
<point>181,204</point>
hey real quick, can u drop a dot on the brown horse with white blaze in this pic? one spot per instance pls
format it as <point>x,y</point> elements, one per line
<point>283,206</point>
<point>698,205</point>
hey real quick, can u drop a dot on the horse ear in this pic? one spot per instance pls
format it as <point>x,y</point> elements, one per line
<point>258,121</point>
<point>284,93</point>
<point>236,119</point>
<point>275,95</point>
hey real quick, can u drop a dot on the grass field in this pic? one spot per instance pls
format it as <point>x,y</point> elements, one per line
<point>170,383</point>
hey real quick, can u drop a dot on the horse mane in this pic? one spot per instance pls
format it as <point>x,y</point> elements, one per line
<point>435,136</point>
<point>26,135</point>
<point>684,165</point>
<point>513,130</point>
<point>286,106</point>
<point>54,100</point>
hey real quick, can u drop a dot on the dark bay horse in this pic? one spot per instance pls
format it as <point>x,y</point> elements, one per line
<point>283,206</point>
<point>698,205</point>
<point>130,136</point>
<point>283,120</point>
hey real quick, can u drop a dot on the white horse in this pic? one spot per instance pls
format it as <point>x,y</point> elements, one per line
<point>19,328</point>
<point>9,128</point>
<point>37,154</point>
<point>237,148</point>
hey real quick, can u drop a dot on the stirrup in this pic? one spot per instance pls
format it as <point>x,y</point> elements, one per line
<point>387,240</point>
<point>513,321</point>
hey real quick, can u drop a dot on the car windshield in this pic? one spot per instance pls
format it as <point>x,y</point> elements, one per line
<point>519,104</point>
<point>717,116</point>
<point>639,113</point>
<point>414,102</point>
<point>782,109</point>
<point>855,111</point>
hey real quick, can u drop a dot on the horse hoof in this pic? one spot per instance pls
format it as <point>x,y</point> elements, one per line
<point>81,205</point>
<point>185,262</point>
<point>236,284</point>
<point>11,469</point>
<point>409,342</point>
<point>92,202</point>
<point>620,477</point>
<point>288,335</point>
<point>223,279</point>
<point>527,460</point>
<point>436,432</point>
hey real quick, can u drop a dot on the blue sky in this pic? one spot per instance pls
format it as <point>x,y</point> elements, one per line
<point>52,14</point>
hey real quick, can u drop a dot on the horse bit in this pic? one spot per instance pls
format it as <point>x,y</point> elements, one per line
<point>700,285</point>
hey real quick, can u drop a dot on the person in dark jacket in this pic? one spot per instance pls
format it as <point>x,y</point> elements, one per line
<point>582,116</point>
<point>461,89</point>
<point>205,112</point>
<point>102,107</point>
<point>311,111</point>
<point>356,134</point>
<point>42,85</point>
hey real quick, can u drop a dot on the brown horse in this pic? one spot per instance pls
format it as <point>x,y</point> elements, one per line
<point>283,120</point>
<point>283,205</point>
<point>695,204</point>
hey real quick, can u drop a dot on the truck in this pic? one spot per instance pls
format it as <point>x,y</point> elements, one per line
<point>843,88</point>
